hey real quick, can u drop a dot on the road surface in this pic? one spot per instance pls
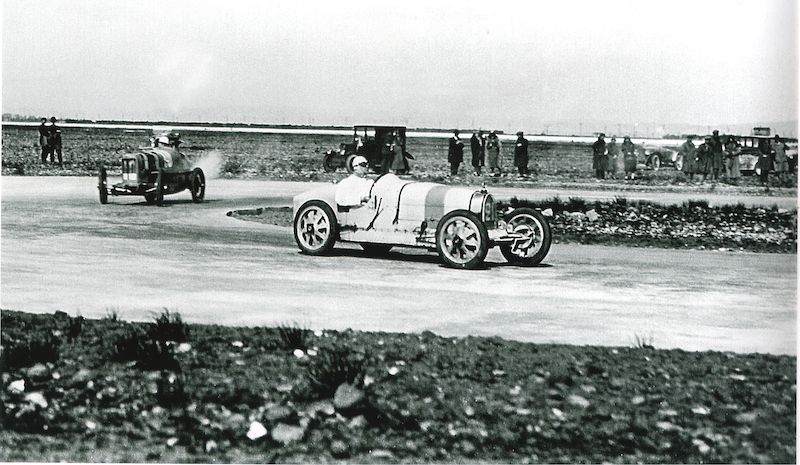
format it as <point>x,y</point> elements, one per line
<point>62,250</point>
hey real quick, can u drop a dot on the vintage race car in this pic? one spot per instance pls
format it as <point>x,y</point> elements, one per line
<point>459,223</point>
<point>153,172</point>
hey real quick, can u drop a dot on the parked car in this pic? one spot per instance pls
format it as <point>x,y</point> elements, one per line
<point>154,172</point>
<point>458,223</point>
<point>367,141</point>
<point>656,156</point>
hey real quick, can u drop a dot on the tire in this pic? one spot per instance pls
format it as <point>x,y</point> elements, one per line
<point>532,250</point>
<point>376,249</point>
<point>655,161</point>
<point>328,164</point>
<point>349,163</point>
<point>462,240</point>
<point>102,180</point>
<point>315,228</point>
<point>150,198</point>
<point>198,185</point>
<point>159,194</point>
<point>679,163</point>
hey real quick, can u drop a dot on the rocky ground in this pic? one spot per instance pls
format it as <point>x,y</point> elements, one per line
<point>641,224</point>
<point>107,390</point>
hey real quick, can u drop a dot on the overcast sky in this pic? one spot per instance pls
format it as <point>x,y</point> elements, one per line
<point>505,64</point>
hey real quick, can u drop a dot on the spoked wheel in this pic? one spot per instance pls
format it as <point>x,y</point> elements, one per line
<point>327,163</point>
<point>679,163</point>
<point>655,162</point>
<point>198,185</point>
<point>462,240</point>
<point>315,228</point>
<point>533,247</point>
<point>159,194</point>
<point>102,181</point>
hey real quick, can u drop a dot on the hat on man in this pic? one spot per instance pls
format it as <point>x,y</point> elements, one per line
<point>52,119</point>
<point>519,133</point>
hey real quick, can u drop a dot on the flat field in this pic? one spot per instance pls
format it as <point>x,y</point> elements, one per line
<point>298,157</point>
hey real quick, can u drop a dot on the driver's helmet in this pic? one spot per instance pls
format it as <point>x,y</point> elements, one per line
<point>163,140</point>
<point>359,160</point>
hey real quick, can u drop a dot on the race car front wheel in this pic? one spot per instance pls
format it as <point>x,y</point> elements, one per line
<point>462,240</point>
<point>533,247</point>
<point>315,228</point>
<point>198,186</point>
<point>160,187</point>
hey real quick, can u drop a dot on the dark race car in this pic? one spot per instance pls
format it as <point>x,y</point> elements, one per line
<point>154,172</point>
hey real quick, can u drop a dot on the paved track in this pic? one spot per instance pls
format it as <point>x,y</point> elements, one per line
<point>61,249</point>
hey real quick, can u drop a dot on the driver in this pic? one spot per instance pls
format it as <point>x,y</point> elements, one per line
<point>353,191</point>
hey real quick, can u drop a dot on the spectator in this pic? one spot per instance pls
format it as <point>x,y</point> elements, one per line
<point>764,163</point>
<point>44,132</point>
<point>716,155</point>
<point>493,154</point>
<point>521,155</point>
<point>629,157</point>
<point>613,158</point>
<point>705,158</point>
<point>386,152</point>
<point>354,190</point>
<point>477,145</point>
<point>455,153</point>
<point>599,160</point>
<point>54,142</point>
<point>399,163</point>
<point>688,153</point>
<point>732,167</point>
<point>781,161</point>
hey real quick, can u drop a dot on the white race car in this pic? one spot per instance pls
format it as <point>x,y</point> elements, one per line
<point>459,223</point>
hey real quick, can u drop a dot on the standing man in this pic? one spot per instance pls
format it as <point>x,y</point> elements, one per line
<point>386,152</point>
<point>493,151</point>
<point>613,155</point>
<point>629,157</point>
<point>478,147</point>
<point>781,161</point>
<point>689,157</point>
<point>716,155</point>
<point>54,141</point>
<point>705,157</point>
<point>599,161</point>
<point>521,155</point>
<point>455,153</point>
<point>44,132</point>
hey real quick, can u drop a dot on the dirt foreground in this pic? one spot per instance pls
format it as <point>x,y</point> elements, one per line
<point>110,391</point>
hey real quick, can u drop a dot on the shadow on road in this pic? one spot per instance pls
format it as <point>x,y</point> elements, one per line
<point>432,258</point>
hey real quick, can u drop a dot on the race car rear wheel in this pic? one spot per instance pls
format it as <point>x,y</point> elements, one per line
<point>102,181</point>
<point>198,186</point>
<point>315,228</point>
<point>348,164</point>
<point>462,240</point>
<point>159,187</point>
<point>532,249</point>
<point>655,161</point>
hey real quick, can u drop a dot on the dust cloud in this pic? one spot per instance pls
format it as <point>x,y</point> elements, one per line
<point>210,163</point>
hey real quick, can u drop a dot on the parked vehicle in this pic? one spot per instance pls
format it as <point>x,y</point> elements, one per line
<point>459,223</point>
<point>367,141</point>
<point>154,172</point>
<point>656,156</point>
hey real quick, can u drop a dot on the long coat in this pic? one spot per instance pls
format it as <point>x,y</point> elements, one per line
<point>614,163</point>
<point>599,160</point>
<point>687,151</point>
<point>521,152</point>
<point>476,145</point>
<point>493,152</point>
<point>455,151</point>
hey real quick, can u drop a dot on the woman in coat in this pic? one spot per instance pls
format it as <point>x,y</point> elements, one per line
<point>688,154</point>
<point>732,151</point>
<point>493,154</point>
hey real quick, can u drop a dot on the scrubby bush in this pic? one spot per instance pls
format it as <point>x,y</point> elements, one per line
<point>136,345</point>
<point>333,367</point>
<point>293,337</point>
<point>28,350</point>
<point>169,326</point>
